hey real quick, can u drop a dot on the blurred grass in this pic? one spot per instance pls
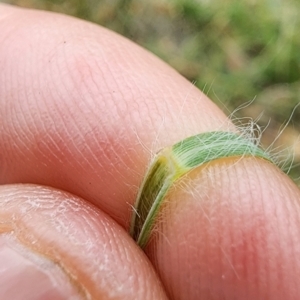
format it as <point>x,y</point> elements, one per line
<point>235,51</point>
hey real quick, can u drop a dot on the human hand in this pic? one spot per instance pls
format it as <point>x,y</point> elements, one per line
<point>82,112</point>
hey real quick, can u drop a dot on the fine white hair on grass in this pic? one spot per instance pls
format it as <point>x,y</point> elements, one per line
<point>249,128</point>
<point>277,152</point>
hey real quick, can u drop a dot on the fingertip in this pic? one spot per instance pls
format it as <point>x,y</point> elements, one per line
<point>231,231</point>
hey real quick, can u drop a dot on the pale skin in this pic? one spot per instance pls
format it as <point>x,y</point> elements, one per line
<point>82,110</point>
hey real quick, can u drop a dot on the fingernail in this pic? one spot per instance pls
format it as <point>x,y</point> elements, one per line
<point>28,275</point>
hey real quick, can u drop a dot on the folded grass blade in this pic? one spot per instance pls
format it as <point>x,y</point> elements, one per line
<point>172,163</point>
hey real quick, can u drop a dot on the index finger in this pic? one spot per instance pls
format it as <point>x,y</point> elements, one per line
<point>83,109</point>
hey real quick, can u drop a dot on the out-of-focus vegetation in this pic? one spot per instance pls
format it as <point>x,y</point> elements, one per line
<point>235,51</point>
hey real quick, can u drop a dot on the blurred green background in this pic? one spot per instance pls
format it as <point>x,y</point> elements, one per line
<point>235,51</point>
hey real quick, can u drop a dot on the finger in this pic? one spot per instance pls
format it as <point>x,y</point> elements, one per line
<point>71,248</point>
<point>103,102</point>
<point>231,230</point>
<point>83,109</point>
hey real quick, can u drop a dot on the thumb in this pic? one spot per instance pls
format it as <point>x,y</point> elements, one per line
<point>54,245</point>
